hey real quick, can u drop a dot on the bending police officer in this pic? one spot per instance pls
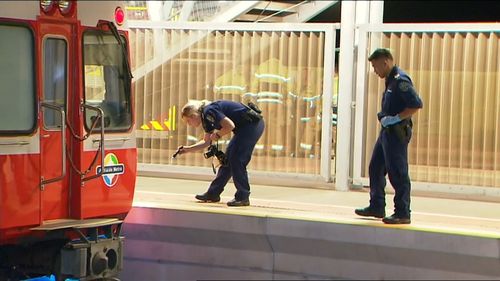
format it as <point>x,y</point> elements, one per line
<point>390,153</point>
<point>220,118</point>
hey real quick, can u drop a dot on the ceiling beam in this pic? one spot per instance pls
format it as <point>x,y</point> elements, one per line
<point>274,6</point>
<point>187,8</point>
<point>235,11</point>
<point>253,18</point>
<point>309,10</point>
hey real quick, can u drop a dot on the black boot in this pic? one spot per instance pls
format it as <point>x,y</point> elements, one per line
<point>207,198</point>
<point>370,212</point>
<point>238,203</point>
<point>395,219</point>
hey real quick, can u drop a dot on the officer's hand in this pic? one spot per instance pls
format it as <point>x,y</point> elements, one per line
<point>386,121</point>
<point>215,136</point>
<point>381,115</point>
<point>180,150</point>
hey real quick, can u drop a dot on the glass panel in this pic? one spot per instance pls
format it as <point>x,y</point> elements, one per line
<point>105,81</point>
<point>456,136</point>
<point>17,90</point>
<point>55,79</point>
<point>280,71</point>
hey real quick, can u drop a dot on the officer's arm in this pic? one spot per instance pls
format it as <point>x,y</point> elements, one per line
<point>205,142</point>
<point>411,99</point>
<point>227,125</point>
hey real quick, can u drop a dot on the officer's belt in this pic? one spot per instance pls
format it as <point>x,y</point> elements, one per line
<point>248,117</point>
<point>400,128</point>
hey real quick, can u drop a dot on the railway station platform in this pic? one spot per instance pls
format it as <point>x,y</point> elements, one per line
<point>292,233</point>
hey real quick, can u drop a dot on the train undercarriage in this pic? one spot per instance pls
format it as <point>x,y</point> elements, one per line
<point>96,252</point>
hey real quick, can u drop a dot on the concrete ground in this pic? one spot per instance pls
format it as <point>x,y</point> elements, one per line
<point>292,233</point>
<point>457,216</point>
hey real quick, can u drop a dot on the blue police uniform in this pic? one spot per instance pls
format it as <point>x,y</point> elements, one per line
<point>390,154</point>
<point>240,147</point>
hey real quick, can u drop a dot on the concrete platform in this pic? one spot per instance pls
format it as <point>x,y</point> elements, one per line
<point>301,234</point>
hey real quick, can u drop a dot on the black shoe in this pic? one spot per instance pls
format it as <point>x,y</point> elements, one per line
<point>238,203</point>
<point>207,198</point>
<point>370,212</point>
<point>394,219</point>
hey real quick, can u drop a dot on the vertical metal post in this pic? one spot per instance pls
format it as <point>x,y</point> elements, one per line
<point>326,117</point>
<point>376,12</point>
<point>359,123</point>
<point>375,16</point>
<point>362,17</point>
<point>155,11</point>
<point>344,121</point>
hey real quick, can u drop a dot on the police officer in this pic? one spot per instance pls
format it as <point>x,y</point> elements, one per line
<point>390,154</point>
<point>220,118</point>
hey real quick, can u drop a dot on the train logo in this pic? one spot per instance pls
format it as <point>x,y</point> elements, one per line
<point>112,169</point>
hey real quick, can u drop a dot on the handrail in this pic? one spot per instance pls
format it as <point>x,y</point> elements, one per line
<point>63,143</point>
<point>100,114</point>
<point>15,143</point>
<point>124,139</point>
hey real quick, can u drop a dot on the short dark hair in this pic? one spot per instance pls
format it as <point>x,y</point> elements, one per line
<point>380,53</point>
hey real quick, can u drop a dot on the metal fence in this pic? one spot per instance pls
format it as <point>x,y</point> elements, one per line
<point>284,70</point>
<point>289,72</point>
<point>456,71</point>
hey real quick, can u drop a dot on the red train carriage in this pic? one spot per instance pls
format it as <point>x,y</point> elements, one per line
<point>67,142</point>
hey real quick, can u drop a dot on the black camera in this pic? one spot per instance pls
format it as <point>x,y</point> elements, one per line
<point>214,151</point>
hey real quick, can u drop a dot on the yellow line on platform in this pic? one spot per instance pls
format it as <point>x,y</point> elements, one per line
<point>264,212</point>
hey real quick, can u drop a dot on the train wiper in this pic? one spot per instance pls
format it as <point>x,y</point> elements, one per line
<point>114,31</point>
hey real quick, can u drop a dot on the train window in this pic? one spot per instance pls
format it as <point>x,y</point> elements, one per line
<point>106,83</point>
<point>17,80</point>
<point>54,75</point>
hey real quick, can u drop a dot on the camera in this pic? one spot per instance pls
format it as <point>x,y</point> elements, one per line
<point>214,151</point>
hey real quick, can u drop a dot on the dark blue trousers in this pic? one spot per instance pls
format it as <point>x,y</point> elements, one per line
<point>390,156</point>
<point>239,152</point>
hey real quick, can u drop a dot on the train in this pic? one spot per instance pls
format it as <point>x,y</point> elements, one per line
<point>68,156</point>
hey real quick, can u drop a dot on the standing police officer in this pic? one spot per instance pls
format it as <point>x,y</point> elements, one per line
<point>218,119</point>
<point>390,154</point>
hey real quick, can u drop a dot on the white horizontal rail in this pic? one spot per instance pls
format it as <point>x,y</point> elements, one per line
<point>431,27</point>
<point>235,26</point>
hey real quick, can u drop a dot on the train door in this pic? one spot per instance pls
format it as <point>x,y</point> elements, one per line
<point>19,138</point>
<point>106,87</point>
<point>56,44</point>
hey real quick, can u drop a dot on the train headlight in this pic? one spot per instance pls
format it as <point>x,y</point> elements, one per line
<point>65,6</point>
<point>46,5</point>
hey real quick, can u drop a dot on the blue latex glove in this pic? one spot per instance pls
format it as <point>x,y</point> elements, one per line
<point>386,121</point>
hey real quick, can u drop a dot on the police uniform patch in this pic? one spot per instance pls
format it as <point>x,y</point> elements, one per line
<point>404,86</point>
<point>210,118</point>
